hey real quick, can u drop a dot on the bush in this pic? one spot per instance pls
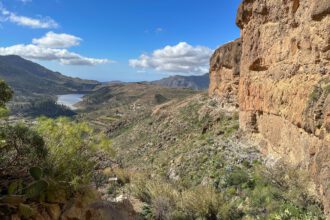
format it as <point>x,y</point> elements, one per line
<point>59,155</point>
<point>123,175</point>
<point>203,202</point>
<point>71,148</point>
<point>236,177</point>
<point>5,96</point>
<point>289,211</point>
<point>20,148</point>
<point>162,208</point>
<point>244,192</point>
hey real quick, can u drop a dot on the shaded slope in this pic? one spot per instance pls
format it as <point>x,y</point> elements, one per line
<point>28,78</point>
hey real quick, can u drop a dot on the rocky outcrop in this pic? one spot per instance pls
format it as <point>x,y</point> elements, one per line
<point>86,205</point>
<point>224,74</point>
<point>284,82</point>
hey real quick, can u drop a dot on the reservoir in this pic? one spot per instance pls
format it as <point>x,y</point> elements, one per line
<point>69,100</point>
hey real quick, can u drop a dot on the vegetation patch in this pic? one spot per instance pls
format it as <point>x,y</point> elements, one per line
<point>47,163</point>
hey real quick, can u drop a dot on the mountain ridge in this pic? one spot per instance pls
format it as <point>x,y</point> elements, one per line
<point>29,78</point>
<point>178,81</point>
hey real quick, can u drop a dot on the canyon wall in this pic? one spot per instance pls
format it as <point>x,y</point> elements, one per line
<point>284,82</point>
<point>225,73</point>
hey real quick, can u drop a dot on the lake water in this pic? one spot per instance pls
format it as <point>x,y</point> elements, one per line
<point>69,100</point>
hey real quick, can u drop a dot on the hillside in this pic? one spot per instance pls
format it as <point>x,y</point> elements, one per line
<point>126,102</point>
<point>173,143</point>
<point>192,82</point>
<point>28,78</point>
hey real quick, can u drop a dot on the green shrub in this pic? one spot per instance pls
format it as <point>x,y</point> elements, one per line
<point>160,99</point>
<point>248,193</point>
<point>147,212</point>
<point>21,147</point>
<point>113,189</point>
<point>71,148</point>
<point>5,96</point>
<point>236,177</point>
<point>315,94</point>
<point>327,89</point>
<point>289,211</point>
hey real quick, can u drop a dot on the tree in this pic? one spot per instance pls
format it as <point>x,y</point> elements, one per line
<point>5,95</point>
<point>20,146</point>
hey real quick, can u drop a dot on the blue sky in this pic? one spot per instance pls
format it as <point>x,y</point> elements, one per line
<point>128,40</point>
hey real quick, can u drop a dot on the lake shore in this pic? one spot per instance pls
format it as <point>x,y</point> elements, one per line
<point>69,100</point>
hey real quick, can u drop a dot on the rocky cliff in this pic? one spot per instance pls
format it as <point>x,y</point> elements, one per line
<point>225,74</point>
<point>284,82</point>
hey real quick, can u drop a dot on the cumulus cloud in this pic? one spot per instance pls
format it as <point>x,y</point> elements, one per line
<point>36,52</point>
<point>179,59</point>
<point>52,47</point>
<point>45,23</point>
<point>54,40</point>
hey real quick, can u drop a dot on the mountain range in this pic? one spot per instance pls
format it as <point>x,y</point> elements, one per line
<point>192,82</point>
<point>28,78</point>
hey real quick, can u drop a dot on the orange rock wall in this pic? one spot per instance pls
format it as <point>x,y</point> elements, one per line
<point>224,74</point>
<point>284,82</point>
<point>284,89</point>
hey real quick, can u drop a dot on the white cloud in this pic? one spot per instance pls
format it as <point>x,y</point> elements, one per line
<point>51,47</point>
<point>53,40</point>
<point>45,23</point>
<point>36,52</point>
<point>179,59</point>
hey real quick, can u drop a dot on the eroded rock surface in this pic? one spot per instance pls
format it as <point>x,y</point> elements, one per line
<point>224,74</point>
<point>284,82</point>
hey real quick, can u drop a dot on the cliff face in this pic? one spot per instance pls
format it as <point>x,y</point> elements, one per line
<point>284,82</point>
<point>285,62</point>
<point>225,73</point>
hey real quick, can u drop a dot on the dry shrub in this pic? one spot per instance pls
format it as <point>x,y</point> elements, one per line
<point>123,175</point>
<point>138,187</point>
<point>204,201</point>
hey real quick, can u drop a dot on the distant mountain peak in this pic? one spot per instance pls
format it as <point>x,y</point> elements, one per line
<point>192,82</point>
